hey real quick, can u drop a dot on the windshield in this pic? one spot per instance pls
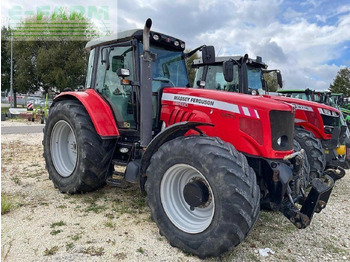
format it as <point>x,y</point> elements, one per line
<point>254,78</point>
<point>215,78</point>
<point>169,69</point>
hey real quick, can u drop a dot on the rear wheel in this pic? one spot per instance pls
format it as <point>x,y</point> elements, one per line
<point>314,151</point>
<point>77,159</point>
<point>202,194</point>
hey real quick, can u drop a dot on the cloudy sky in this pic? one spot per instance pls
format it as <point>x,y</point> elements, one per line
<point>309,40</point>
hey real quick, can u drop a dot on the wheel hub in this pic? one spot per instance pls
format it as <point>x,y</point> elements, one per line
<point>196,193</point>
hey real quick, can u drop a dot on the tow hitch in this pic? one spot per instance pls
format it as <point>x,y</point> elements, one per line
<point>335,172</point>
<point>315,201</point>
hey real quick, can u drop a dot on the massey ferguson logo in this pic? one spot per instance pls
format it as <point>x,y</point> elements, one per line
<point>194,100</point>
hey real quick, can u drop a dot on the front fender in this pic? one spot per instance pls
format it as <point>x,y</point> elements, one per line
<point>98,109</point>
<point>176,130</point>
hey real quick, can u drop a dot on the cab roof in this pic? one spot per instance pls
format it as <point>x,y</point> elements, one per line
<point>221,59</point>
<point>128,35</point>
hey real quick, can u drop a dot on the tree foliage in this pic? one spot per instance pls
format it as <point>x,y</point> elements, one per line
<point>341,82</point>
<point>191,72</point>
<point>48,52</point>
<point>271,81</point>
<point>5,61</point>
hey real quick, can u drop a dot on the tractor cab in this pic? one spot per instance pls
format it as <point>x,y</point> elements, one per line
<point>233,75</point>
<point>114,72</point>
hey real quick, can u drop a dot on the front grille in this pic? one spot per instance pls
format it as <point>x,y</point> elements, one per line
<point>282,126</point>
<point>330,120</point>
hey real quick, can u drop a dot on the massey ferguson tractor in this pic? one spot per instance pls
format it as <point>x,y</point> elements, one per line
<point>205,158</point>
<point>317,126</point>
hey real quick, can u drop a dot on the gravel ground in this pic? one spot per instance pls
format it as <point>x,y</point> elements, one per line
<point>113,224</point>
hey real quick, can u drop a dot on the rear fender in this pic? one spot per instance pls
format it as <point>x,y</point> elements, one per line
<point>98,109</point>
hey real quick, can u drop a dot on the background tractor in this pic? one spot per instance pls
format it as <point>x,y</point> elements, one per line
<point>205,159</point>
<point>317,126</point>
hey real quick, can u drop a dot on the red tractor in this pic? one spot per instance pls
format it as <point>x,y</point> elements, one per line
<point>317,126</point>
<point>205,159</point>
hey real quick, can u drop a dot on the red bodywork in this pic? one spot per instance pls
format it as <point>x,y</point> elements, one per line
<point>229,113</point>
<point>307,115</point>
<point>98,109</point>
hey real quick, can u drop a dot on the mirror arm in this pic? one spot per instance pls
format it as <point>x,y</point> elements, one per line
<point>191,53</point>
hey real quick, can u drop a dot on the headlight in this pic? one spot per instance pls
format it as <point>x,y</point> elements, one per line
<point>282,141</point>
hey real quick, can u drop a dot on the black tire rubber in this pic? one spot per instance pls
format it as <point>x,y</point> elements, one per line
<point>314,151</point>
<point>234,187</point>
<point>304,178</point>
<point>93,154</point>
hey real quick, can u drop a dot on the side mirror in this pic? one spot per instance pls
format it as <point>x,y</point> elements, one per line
<point>228,70</point>
<point>117,62</point>
<point>279,79</point>
<point>201,83</point>
<point>208,54</point>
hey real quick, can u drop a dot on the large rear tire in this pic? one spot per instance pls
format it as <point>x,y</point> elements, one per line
<point>314,151</point>
<point>202,194</point>
<point>76,157</point>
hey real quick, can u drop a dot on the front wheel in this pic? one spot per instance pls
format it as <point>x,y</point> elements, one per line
<point>202,194</point>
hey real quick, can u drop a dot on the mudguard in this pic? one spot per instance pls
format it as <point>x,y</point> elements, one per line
<point>98,110</point>
<point>178,129</point>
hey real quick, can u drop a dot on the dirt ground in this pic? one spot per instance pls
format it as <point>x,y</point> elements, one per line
<point>114,224</point>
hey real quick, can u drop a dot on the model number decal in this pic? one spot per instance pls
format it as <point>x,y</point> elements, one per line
<point>301,107</point>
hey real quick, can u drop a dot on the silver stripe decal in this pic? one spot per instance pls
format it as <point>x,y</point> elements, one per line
<point>246,111</point>
<point>256,113</point>
<point>194,100</point>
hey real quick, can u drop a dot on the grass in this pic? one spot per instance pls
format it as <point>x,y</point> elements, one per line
<point>69,246</point>
<point>55,232</point>
<point>93,251</point>
<point>109,224</point>
<point>57,224</point>
<point>140,250</point>
<point>51,251</point>
<point>76,237</point>
<point>6,204</point>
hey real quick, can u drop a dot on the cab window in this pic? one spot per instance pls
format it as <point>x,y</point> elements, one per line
<point>108,83</point>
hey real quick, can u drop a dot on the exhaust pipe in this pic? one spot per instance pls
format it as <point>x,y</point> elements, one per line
<point>146,88</point>
<point>145,37</point>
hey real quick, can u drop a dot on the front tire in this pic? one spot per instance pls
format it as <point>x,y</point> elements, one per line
<point>314,151</point>
<point>76,157</point>
<point>202,194</point>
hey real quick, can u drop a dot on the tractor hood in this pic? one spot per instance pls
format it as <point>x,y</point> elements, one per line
<point>306,105</point>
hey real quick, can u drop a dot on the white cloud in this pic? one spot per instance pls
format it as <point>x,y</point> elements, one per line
<point>300,48</point>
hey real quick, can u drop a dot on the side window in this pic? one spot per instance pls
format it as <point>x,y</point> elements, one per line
<point>215,79</point>
<point>108,83</point>
<point>89,69</point>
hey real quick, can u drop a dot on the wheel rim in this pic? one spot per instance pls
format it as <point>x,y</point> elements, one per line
<point>175,206</point>
<point>63,148</point>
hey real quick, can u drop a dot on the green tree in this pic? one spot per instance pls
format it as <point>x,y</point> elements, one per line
<point>341,82</point>
<point>271,81</point>
<point>191,71</point>
<point>5,60</point>
<point>49,52</point>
